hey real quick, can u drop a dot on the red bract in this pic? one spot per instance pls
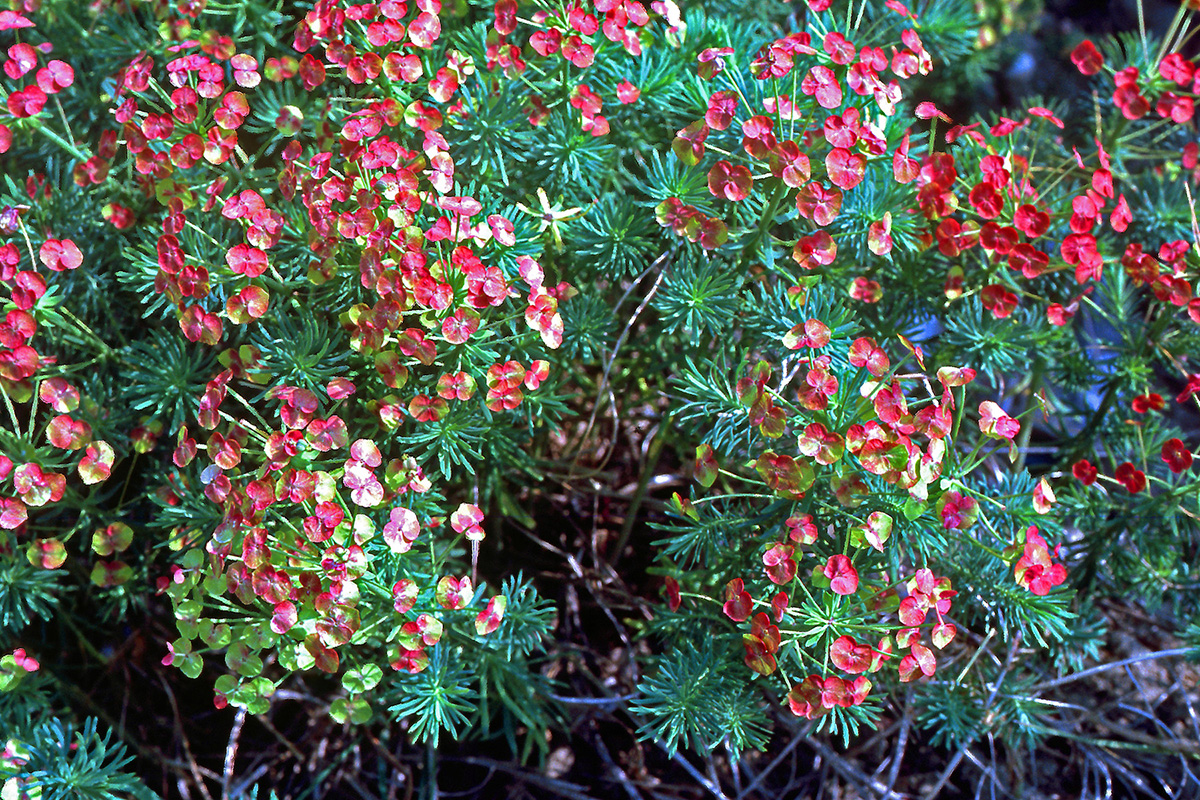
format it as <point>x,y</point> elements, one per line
<point>1034,569</point>
<point>849,656</point>
<point>864,352</point>
<point>59,395</point>
<point>986,201</point>
<point>1086,58</point>
<point>705,468</point>
<point>758,137</point>
<point>840,49</point>
<point>1121,216</point>
<point>879,235</point>
<point>577,52</point>
<point>488,620</point>
<point>772,61</point>
<point>21,59</point>
<point>921,660</point>
<point>1084,471</point>
<point>466,520</point>
<point>928,110</point>
<point>1132,103</point>
<point>1178,109</point>
<point>1176,455</point>
<point>877,530</point>
<point>738,601</point>
<point>200,326</point>
<point>627,93</point>
<point>60,256</point>
<point>866,290</point>
<point>998,300</point>
<point>761,644</point>
<point>804,699</point>
<point>843,578</point>
<point>19,363</point>
<point>13,513</point>
<point>958,511</point>
<point>722,108</point>
<point>818,203</point>
<point>506,17</point>
<point>1047,114</point>
<point>730,181</point>
<point>1031,221</point>
<point>246,260</point>
<point>46,553</point>
<point>1145,403</point>
<point>994,422</point>
<point>453,593</point>
<point>12,20</point>
<point>822,83</point>
<point>845,169</point>
<point>249,303</point>
<point>1043,497</point>
<point>67,433</point>
<point>27,102</point>
<point>55,76</point>
<point>904,169</point>
<point>811,333</point>
<point>688,145</point>
<point>1130,477</point>
<point>778,563</point>
<point>816,250</point>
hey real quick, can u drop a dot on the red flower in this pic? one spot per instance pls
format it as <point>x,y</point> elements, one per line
<point>729,181</point>
<point>27,102</point>
<point>994,422</point>
<point>738,601</point>
<point>779,564</point>
<point>1176,455</point>
<point>1133,478</point>
<point>843,578</point>
<point>822,83</point>
<point>1144,403</point>
<point>1086,58</point>
<point>849,656</point>
<point>1034,570</point>
<point>819,204</point>
<point>712,61</point>
<point>1084,471</point>
<point>761,644</point>
<point>845,169</point>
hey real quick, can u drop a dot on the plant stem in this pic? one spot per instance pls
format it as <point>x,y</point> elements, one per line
<point>1035,383</point>
<point>764,222</point>
<point>652,456</point>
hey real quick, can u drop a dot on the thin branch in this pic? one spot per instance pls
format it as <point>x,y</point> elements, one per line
<point>697,776</point>
<point>1176,652</point>
<point>901,743</point>
<point>231,748</point>
<point>187,748</point>
<point>962,751</point>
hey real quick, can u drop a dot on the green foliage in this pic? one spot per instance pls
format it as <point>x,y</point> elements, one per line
<point>697,299</point>
<point>695,700</point>
<point>165,376</point>
<point>64,763</point>
<point>301,350</point>
<point>437,700</point>
<point>26,591</point>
